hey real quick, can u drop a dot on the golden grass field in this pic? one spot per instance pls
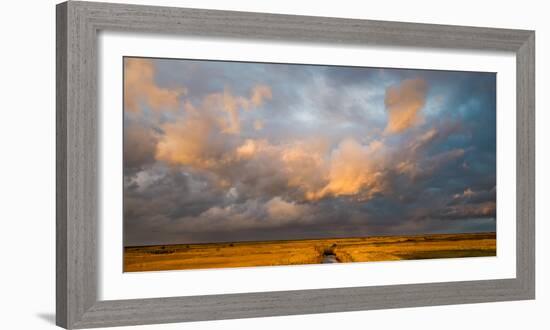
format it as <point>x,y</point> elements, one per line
<point>312,251</point>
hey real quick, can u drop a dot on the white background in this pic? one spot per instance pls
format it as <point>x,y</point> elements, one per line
<point>27,140</point>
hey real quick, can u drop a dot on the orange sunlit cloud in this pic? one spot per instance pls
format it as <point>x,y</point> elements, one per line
<point>404,103</point>
<point>140,87</point>
<point>197,139</point>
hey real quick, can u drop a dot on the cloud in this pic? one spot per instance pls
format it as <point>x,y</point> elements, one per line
<point>414,159</point>
<point>304,165</point>
<point>306,170</point>
<point>251,147</point>
<point>316,171</point>
<point>252,213</point>
<point>474,197</point>
<point>232,105</point>
<point>403,104</point>
<point>261,168</point>
<point>229,103</point>
<point>140,87</point>
<point>258,125</point>
<point>424,139</point>
<point>259,94</point>
<point>461,211</point>
<point>204,137</point>
<point>408,168</point>
<point>283,211</point>
<point>139,146</point>
<point>312,170</point>
<point>466,194</point>
<point>354,170</point>
<point>193,140</point>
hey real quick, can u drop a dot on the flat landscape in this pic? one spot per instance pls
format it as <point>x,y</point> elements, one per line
<point>314,251</point>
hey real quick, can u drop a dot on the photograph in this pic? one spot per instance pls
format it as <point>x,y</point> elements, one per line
<point>244,164</point>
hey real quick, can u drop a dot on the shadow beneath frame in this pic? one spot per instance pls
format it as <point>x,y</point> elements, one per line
<point>48,317</point>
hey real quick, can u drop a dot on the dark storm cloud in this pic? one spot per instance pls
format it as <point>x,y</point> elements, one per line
<point>228,151</point>
<point>139,147</point>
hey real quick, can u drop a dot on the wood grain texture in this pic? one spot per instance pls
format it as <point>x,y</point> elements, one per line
<point>77,189</point>
<point>61,166</point>
<point>296,28</point>
<point>525,165</point>
<point>77,157</point>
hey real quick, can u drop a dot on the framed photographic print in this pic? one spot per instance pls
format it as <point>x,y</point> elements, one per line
<point>216,165</point>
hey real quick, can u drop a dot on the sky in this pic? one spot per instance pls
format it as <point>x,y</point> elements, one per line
<point>220,151</point>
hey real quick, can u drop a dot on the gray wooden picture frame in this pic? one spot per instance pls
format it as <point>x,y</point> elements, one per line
<point>78,24</point>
